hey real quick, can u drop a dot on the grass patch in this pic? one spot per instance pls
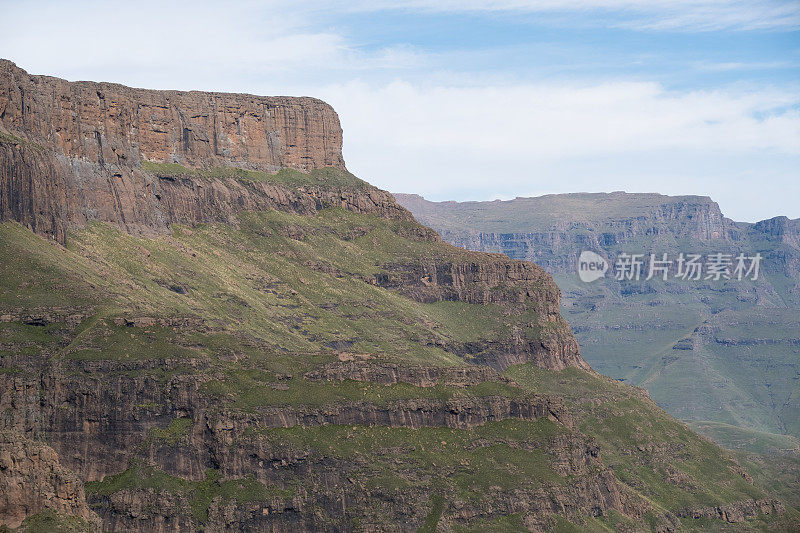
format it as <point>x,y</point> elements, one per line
<point>199,494</point>
<point>435,514</point>
<point>8,138</point>
<point>468,462</point>
<point>175,431</point>
<point>325,177</point>
<point>108,341</point>
<point>50,521</point>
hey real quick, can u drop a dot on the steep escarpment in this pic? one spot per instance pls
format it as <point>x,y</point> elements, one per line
<point>120,126</point>
<point>50,192</point>
<point>247,337</point>
<point>74,152</point>
<point>780,229</point>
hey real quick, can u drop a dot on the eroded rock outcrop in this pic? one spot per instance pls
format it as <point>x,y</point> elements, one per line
<point>495,280</point>
<point>32,479</point>
<point>736,512</point>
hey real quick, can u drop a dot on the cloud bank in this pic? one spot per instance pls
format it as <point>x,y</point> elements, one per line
<point>473,123</point>
<point>457,142</point>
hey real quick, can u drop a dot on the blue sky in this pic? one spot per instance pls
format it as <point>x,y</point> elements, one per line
<point>482,99</point>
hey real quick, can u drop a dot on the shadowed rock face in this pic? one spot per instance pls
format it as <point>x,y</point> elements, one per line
<point>97,424</point>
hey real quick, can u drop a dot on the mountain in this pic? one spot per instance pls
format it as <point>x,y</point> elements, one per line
<point>208,323</point>
<point>723,356</point>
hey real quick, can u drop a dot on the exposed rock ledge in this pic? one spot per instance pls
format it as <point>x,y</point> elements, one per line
<point>457,412</point>
<point>420,376</point>
<point>735,512</point>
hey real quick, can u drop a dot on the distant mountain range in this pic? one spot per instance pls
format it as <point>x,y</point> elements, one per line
<point>723,355</point>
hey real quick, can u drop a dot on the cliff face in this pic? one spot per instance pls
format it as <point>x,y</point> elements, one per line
<point>32,479</point>
<point>495,281</point>
<point>778,229</point>
<point>244,346</point>
<point>120,126</point>
<point>73,152</point>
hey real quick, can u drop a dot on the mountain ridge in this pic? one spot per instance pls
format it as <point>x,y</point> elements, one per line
<point>210,344</point>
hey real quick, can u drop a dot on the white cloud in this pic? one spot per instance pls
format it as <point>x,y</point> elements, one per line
<point>566,120</point>
<point>479,142</point>
<point>187,45</point>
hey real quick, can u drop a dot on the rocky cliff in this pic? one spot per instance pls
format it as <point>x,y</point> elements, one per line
<point>553,230</point>
<point>73,152</point>
<point>32,480</point>
<point>231,332</point>
<point>117,126</point>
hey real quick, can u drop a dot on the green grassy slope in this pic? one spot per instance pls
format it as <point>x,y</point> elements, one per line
<point>248,310</point>
<point>304,293</point>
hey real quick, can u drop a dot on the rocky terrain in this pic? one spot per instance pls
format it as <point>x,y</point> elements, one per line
<point>33,480</point>
<point>724,356</point>
<point>207,323</point>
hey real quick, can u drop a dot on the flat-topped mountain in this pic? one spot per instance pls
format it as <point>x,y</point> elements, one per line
<point>85,144</point>
<point>122,126</point>
<point>701,216</point>
<point>553,229</point>
<point>224,330</point>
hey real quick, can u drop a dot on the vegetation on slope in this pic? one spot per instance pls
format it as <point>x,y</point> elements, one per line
<point>250,310</point>
<point>322,177</point>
